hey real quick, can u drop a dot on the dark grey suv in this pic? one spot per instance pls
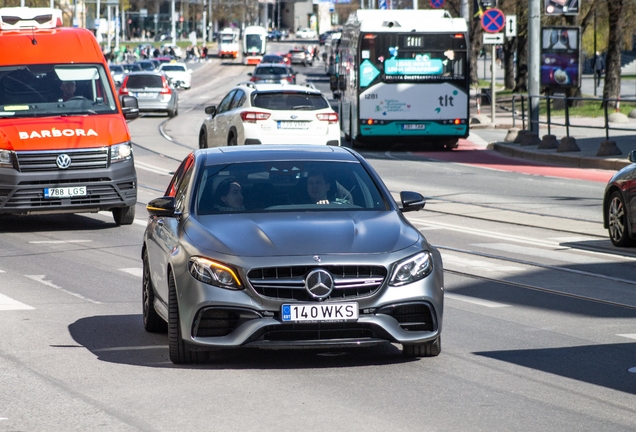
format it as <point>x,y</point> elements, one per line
<point>287,247</point>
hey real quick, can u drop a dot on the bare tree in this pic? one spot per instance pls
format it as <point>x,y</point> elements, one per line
<point>616,12</point>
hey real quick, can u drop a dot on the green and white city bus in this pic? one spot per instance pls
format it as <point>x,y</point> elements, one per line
<point>402,75</point>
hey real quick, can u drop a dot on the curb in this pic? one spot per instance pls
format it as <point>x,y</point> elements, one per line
<point>562,159</point>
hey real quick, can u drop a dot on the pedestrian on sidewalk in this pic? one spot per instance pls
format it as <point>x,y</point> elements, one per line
<point>599,68</point>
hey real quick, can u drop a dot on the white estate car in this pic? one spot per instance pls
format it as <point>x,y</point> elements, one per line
<point>270,114</point>
<point>177,72</point>
<point>306,33</point>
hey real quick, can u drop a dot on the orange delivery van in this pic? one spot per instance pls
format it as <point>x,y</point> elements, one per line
<point>65,146</point>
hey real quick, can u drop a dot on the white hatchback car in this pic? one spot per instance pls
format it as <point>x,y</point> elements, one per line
<point>270,114</point>
<point>177,72</point>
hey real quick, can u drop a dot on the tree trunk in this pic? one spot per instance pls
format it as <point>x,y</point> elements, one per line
<point>522,48</point>
<point>612,87</point>
<point>476,45</point>
<point>509,48</point>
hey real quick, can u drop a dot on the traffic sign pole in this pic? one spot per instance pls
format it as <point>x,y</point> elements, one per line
<point>492,83</point>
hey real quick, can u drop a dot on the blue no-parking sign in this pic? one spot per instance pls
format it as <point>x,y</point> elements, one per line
<point>493,21</point>
<point>437,3</point>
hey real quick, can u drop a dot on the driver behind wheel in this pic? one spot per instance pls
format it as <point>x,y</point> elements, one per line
<point>68,90</point>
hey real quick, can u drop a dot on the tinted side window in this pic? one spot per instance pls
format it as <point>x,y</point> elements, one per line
<point>182,187</point>
<point>225,103</point>
<point>238,100</point>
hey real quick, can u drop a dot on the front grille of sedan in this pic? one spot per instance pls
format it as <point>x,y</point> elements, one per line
<point>412,316</point>
<point>288,283</point>
<point>318,331</point>
<point>216,322</point>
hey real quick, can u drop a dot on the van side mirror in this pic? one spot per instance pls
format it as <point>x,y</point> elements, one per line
<point>210,110</point>
<point>129,106</point>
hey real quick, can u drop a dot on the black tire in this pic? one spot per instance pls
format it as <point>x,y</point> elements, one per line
<point>124,215</point>
<point>232,141</point>
<point>426,349</point>
<point>153,323</point>
<point>179,351</point>
<point>203,139</point>
<point>618,222</point>
<point>173,113</point>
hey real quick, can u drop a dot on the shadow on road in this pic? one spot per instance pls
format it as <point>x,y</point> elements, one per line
<point>59,222</point>
<point>122,339</point>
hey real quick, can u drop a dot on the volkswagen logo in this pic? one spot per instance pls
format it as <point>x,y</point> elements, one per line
<point>319,284</point>
<point>294,117</point>
<point>63,161</point>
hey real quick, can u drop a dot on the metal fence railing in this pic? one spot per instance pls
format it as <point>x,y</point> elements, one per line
<point>609,106</point>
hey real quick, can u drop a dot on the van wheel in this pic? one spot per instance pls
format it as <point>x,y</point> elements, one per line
<point>124,215</point>
<point>203,139</point>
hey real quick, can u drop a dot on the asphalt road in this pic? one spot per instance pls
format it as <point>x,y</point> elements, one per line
<point>539,327</point>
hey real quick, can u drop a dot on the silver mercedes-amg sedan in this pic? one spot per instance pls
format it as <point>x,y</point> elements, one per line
<point>287,247</point>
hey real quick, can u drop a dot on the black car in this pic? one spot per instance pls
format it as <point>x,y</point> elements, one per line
<point>274,35</point>
<point>287,246</point>
<point>619,205</point>
<point>273,73</point>
<point>273,58</point>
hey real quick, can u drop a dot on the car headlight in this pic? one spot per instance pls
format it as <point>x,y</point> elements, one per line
<point>412,269</point>
<point>6,158</point>
<point>214,273</point>
<point>120,152</point>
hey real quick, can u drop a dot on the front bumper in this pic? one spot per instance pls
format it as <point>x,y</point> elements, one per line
<point>107,188</point>
<point>217,318</point>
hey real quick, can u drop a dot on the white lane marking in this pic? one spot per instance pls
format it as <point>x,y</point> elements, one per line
<point>142,222</point>
<point>473,300</point>
<point>7,303</point>
<point>2,271</point>
<point>542,253</point>
<point>430,228</point>
<point>40,278</point>
<point>629,336</point>
<point>152,168</point>
<point>457,261</point>
<point>137,271</point>
<point>59,241</point>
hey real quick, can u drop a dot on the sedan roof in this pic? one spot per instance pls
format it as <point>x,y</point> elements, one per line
<point>266,153</point>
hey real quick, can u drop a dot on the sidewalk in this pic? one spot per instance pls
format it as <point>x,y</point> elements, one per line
<point>587,140</point>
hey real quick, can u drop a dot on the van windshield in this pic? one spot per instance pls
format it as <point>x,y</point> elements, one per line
<point>55,89</point>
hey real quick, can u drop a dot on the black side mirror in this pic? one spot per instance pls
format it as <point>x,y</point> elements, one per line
<point>632,156</point>
<point>129,106</point>
<point>412,201</point>
<point>164,206</point>
<point>249,74</point>
<point>211,110</point>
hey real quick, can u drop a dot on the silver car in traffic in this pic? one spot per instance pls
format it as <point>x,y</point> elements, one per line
<point>287,247</point>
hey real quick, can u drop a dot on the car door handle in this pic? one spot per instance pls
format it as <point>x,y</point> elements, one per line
<point>160,222</point>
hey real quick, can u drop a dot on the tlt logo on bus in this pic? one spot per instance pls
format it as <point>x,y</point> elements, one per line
<point>447,100</point>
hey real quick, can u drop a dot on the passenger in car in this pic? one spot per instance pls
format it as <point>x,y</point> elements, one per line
<point>228,196</point>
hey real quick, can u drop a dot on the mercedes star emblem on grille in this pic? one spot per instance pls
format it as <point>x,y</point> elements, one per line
<point>294,117</point>
<point>317,258</point>
<point>319,283</point>
<point>63,161</point>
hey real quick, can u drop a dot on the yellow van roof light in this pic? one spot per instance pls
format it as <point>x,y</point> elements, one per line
<point>17,18</point>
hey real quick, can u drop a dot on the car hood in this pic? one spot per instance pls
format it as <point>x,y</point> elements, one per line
<point>278,234</point>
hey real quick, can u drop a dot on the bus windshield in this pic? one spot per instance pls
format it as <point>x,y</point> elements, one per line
<point>413,57</point>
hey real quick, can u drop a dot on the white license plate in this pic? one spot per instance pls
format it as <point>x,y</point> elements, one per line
<point>65,192</point>
<point>319,312</point>
<point>146,95</point>
<point>413,126</point>
<point>293,125</point>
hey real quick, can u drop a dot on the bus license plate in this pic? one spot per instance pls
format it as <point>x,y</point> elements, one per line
<point>413,126</point>
<point>65,192</point>
<point>320,312</point>
<point>293,125</point>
